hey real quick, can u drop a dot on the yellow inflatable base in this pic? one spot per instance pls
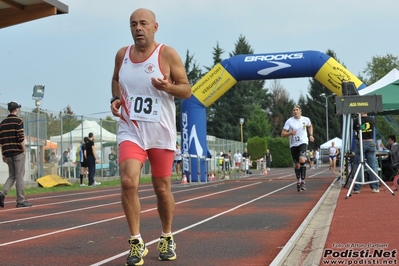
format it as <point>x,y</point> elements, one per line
<point>48,181</point>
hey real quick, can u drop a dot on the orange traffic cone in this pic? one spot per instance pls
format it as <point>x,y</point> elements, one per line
<point>265,172</point>
<point>184,180</point>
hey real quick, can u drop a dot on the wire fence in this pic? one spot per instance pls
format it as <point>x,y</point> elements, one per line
<point>49,135</point>
<point>218,146</point>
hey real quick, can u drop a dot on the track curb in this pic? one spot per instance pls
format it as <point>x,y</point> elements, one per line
<point>306,245</point>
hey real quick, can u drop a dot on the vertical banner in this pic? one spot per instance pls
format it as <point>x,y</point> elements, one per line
<point>193,139</point>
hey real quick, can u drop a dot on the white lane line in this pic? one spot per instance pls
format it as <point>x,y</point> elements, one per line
<point>282,253</point>
<point>69,201</point>
<point>57,213</point>
<point>86,208</point>
<point>118,217</point>
<point>195,224</point>
<point>87,191</point>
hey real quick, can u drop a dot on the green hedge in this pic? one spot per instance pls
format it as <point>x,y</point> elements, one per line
<point>279,148</point>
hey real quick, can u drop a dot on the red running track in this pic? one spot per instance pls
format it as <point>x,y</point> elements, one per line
<point>364,229</point>
<point>243,221</point>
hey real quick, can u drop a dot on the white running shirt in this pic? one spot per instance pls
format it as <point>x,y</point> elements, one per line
<point>177,154</point>
<point>237,157</point>
<point>300,125</point>
<point>333,151</point>
<point>148,116</point>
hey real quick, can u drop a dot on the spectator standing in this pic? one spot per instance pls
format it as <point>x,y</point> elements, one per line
<point>177,159</point>
<point>366,128</point>
<point>246,157</point>
<point>268,159</point>
<point>64,158</point>
<point>83,161</point>
<point>91,160</point>
<point>317,157</point>
<point>311,159</point>
<point>296,128</point>
<point>220,161</point>
<point>230,156</point>
<point>225,162</point>
<point>12,141</point>
<point>237,160</point>
<point>113,166</point>
<point>155,74</point>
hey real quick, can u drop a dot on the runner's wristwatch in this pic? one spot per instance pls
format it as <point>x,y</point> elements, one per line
<point>113,99</point>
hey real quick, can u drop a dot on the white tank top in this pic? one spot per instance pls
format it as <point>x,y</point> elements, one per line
<point>300,125</point>
<point>148,116</point>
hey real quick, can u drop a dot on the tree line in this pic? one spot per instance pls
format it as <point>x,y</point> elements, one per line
<point>264,105</point>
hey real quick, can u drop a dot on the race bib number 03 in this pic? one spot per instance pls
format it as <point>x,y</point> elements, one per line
<point>145,108</point>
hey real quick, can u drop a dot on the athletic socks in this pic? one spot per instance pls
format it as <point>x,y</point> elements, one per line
<point>303,172</point>
<point>137,237</point>
<point>166,234</point>
<point>297,173</point>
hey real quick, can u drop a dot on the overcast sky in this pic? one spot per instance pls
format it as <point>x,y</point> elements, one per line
<point>73,54</point>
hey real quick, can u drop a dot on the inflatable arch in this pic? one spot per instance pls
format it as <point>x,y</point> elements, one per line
<point>224,75</point>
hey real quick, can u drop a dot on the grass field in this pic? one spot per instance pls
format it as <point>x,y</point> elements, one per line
<point>29,190</point>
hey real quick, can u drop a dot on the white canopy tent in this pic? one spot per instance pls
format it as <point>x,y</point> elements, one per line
<point>75,137</point>
<point>337,141</point>
<point>392,76</point>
